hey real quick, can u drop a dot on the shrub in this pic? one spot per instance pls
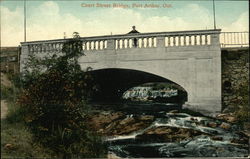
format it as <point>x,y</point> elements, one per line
<point>54,104</point>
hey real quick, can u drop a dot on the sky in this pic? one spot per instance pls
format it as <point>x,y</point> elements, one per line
<point>51,19</point>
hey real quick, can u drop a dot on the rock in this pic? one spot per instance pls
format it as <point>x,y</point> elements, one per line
<point>240,141</point>
<point>225,126</point>
<point>112,156</point>
<point>228,117</point>
<point>168,134</point>
<point>212,124</point>
<point>100,121</point>
<point>9,146</point>
<point>218,138</point>
<point>173,111</point>
<point>146,117</point>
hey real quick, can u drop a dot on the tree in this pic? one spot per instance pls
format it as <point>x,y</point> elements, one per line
<point>54,104</point>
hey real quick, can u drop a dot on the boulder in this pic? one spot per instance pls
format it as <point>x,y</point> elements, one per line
<point>146,117</point>
<point>168,134</point>
<point>228,117</point>
<point>225,126</point>
<point>173,111</point>
<point>9,146</point>
<point>212,124</point>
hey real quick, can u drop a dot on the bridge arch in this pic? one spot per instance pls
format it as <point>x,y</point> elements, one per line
<point>115,81</point>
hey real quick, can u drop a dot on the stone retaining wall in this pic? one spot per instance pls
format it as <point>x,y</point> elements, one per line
<point>235,76</point>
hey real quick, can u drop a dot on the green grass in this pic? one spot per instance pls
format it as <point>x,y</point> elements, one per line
<point>20,142</point>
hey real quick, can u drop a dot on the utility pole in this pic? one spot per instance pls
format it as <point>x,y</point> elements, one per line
<point>214,15</point>
<point>24,20</point>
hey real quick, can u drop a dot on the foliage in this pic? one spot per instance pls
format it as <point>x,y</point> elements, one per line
<point>243,113</point>
<point>16,141</point>
<point>54,103</point>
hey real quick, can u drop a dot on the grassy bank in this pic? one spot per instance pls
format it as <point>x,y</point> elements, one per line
<point>16,141</point>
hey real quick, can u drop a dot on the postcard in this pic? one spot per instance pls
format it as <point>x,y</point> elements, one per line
<point>124,79</point>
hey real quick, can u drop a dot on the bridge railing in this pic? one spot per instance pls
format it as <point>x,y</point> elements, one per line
<point>131,41</point>
<point>234,39</point>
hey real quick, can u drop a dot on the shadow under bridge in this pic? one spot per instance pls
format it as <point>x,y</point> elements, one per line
<point>113,82</point>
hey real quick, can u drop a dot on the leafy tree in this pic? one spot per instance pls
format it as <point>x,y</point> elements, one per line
<point>54,103</point>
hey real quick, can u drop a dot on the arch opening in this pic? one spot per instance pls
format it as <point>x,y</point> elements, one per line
<point>113,85</point>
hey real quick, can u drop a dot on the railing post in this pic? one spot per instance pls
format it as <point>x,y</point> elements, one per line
<point>161,41</point>
<point>215,39</point>
<point>110,44</point>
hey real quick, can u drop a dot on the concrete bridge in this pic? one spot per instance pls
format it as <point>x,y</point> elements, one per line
<point>191,59</point>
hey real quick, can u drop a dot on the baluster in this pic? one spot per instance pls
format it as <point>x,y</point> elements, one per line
<point>90,45</point>
<point>31,48</point>
<point>200,39</point>
<point>206,40</point>
<point>83,45</point>
<point>126,44</point>
<point>56,47</point>
<point>185,42</point>
<point>39,48</point>
<point>34,48</point>
<point>53,47</point>
<point>59,47</point>
<point>99,45</point>
<point>130,43</point>
<point>179,40</point>
<point>174,41</point>
<point>143,43</point>
<point>123,43</point>
<point>93,45</point>
<point>195,40</point>
<point>118,44</point>
<point>152,42</point>
<point>44,48</point>
<point>96,45</point>
<point>50,47</point>
<point>169,37</point>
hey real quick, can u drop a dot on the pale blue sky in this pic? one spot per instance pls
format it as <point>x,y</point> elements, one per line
<point>50,19</point>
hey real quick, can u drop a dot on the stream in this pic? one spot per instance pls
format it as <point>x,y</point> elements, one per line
<point>153,130</point>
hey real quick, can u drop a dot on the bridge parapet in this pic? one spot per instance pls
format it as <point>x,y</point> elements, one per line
<point>131,41</point>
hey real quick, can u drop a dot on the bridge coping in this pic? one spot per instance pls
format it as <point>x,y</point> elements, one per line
<point>136,35</point>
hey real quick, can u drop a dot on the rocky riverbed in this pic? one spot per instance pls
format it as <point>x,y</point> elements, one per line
<point>169,134</point>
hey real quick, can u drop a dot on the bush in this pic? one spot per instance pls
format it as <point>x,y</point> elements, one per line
<point>54,104</point>
<point>243,111</point>
<point>17,141</point>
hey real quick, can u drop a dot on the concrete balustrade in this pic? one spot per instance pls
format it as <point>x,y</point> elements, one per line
<point>131,41</point>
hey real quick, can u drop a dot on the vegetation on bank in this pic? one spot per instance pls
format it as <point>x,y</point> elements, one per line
<point>242,104</point>
<point>52,105</point>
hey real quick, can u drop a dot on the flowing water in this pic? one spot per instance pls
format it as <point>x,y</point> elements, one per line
<point>212,141</point>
